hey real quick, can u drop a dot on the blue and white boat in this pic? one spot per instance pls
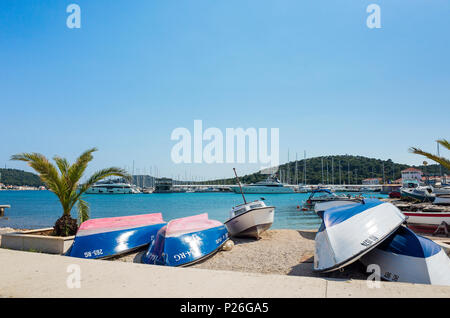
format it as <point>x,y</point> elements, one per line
<point>350,231</point>
<point>107,237</point>
<point>186,241</point>
<point>408,257</point>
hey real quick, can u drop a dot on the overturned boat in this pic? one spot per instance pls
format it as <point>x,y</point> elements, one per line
<point>350,231</point>
<point>186,241</point>
<point>249,219</point>
<point>107,237</point>
<point>408,257</point>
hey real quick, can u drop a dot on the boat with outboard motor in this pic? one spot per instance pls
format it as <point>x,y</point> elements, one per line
<point>350,231</point>
<point>107,237</point>
<point>407,257</point>
<point>413,190</point>
<point>325,195</point>
<point>185,241</point>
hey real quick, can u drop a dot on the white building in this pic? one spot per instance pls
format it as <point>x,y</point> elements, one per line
<point>372,181</point>
<point>412,174</point>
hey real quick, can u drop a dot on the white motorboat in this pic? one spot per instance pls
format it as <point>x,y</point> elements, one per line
<point>268,186</point>
<point>113,187</point>
<point>250,219</point>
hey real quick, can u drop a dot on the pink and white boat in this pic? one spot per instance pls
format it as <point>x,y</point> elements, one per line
<point>427,220</point>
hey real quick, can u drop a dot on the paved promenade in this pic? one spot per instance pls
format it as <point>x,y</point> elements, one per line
<point>27,274</point>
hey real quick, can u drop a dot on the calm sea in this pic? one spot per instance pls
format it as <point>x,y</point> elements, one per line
<point>36,209</point>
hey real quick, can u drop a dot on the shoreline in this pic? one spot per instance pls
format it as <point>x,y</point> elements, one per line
<point>278,252</point>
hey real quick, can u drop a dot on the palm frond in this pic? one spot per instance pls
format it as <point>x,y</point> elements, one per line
<point>62,164</point>
<point>76,171</point>
<point>83,210</point>
<point>444,142</point>
<point>443,161</point>
<point>46,170</point>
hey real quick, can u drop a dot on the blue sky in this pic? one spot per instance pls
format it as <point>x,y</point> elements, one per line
<point>136,70</point>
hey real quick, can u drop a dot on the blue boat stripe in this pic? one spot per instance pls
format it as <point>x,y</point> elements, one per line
<point>340,214</point>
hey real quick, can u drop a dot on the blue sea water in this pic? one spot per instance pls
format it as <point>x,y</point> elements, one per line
<point>37,209</point>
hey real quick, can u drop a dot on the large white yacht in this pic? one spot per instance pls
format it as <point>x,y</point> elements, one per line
<point>270,185</point>
<point>113,187</point>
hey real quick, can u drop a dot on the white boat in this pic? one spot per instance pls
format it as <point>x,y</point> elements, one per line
<point>250,219</point>
<point>441,190</point>
<point>350,231</point>
<point>408,257</point>
<point>270,185</point>
<point>113,187</point>
<point>426,220</point>
<point>443,199</point>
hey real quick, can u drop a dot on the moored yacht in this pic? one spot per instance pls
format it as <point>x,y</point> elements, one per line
<point>270,185</point>
<point>113,187</point>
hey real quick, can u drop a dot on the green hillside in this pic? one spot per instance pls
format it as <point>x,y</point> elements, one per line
<point>19,178</point>
<point>341,169</point>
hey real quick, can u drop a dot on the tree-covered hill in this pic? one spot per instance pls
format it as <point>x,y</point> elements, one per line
<point>342,169</point>
<point>19,178</point>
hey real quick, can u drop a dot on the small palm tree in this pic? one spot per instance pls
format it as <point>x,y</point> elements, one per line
<point>443,161</point>
<point>66,184</point>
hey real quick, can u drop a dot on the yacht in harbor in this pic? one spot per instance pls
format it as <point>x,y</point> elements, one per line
<point>113,187</point>
<point>270,185</point>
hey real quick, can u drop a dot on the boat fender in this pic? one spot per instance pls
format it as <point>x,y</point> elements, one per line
<point>298,206</point>
<point>228,246</point>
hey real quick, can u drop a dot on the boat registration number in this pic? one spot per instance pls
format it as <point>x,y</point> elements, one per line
<point>369,241</point>
<point>93,253</point>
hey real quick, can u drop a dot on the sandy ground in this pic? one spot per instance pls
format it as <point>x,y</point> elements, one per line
<point>285,252</point>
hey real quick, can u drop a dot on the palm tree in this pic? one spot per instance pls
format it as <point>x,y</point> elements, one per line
<point>443,161</point>
<point>65,184</point>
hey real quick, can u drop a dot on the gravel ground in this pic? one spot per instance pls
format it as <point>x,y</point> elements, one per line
<point>285,252</point>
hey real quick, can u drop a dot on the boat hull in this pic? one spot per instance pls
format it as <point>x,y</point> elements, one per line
<point>113,242</point>
<point>251,223</point>
<point>408,257</point>
<point>409,193</point>
<point>427,219</point>
<point>442,199</point>
<point>349,232</point>
<point>186,249</point>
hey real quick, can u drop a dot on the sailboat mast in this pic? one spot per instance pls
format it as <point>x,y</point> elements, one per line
<point>440,166</point>
<point>304,167</point>
<point>322,169</point>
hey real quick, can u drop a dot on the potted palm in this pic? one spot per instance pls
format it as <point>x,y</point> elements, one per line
<point>64,180</point>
